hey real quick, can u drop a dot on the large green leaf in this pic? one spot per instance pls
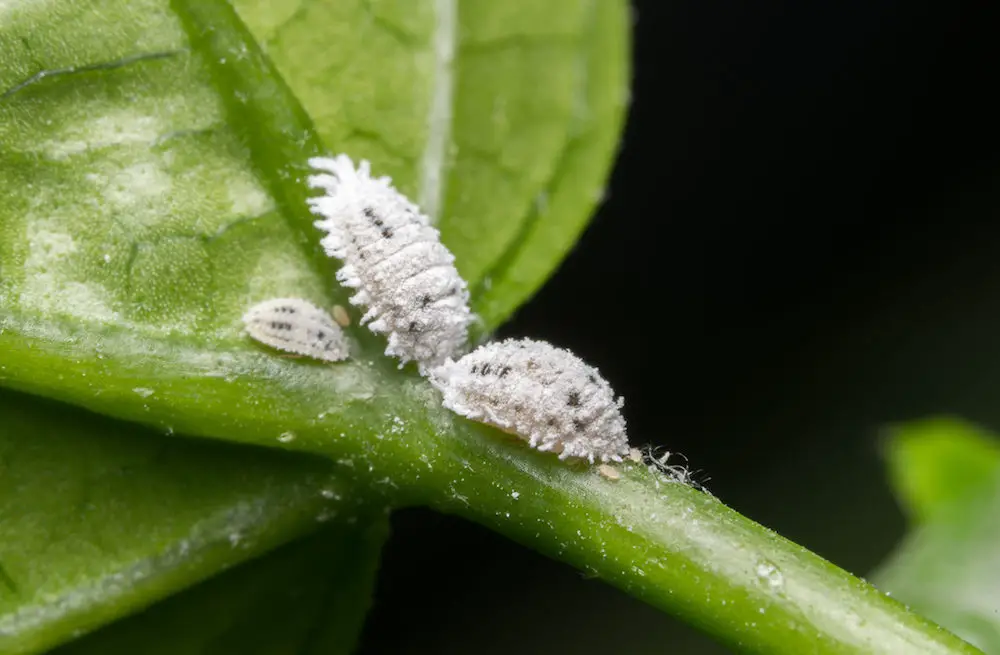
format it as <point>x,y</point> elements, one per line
<point>309,597</point>
<point>99,518</point>
<point>948,472</point>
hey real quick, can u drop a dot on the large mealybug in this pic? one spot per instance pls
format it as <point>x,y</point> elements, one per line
<point>541,393</point>
<point>403,274</point>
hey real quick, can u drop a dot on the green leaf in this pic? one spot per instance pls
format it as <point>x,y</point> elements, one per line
<point>936,464</point>
<point>307,597</point>
<point>464,104</point>
<point>99,518</point>
<point>948,472</point>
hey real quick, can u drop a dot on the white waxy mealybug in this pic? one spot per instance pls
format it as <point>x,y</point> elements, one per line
<point>541,393</point>
<point>395,259</point>
<point>296,326</point>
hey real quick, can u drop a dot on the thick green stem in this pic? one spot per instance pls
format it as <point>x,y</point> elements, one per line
<point>685,552</point>
<point>668,544</point>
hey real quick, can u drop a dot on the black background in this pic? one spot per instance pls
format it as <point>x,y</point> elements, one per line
<point>799,247</point>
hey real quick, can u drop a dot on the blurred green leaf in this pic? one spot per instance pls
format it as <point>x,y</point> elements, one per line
<point>309,597</point>
<point>99,518</point>
<point>940,462</point>
<point>947,473</point>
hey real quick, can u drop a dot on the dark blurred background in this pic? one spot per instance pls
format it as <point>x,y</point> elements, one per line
<point>799,247</point>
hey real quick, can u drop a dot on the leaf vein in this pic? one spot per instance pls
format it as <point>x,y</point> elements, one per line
<point>87,68</point>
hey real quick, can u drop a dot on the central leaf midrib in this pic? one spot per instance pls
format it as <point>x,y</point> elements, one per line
<point>439,117</point>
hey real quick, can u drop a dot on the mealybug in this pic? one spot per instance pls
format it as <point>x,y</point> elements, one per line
<point>541,393</point>
<point>395,259</point>
<point>296,326</point>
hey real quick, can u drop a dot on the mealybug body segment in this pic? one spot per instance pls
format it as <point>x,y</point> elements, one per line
<point>296,326</point>
<point>396,261</point>
<point>541,393</point>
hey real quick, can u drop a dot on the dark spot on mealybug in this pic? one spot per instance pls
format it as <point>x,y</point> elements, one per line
<point>518,407</point>
<point>425,300</point>
<point>573,399</point>
<point>485,370</point>
<point>552,422</point>
<point>412,327</point>
<point>592,378</point>
<point>320,334</point>
<point>369,212</point>
<point>579,425</point>
<point>378,222</point>
<point>387,233</point>
<point>475,368</point>
<point>504,371</point>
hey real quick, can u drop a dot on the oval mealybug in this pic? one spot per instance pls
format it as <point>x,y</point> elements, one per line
<point>541,393</point>
<point>396,261</point>
<point>296,326</point>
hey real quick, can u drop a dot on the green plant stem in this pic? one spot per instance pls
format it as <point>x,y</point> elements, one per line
<point>661,541</point>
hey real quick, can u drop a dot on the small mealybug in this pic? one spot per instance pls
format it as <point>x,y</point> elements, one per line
<point>392,255</point>
<point>296,326</point>
<point>541,393</point>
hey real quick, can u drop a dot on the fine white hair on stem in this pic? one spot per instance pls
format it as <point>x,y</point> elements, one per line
<point>657,458</point>
<point>403,274</point>
<point>296,326</point>
<point>543,394</point>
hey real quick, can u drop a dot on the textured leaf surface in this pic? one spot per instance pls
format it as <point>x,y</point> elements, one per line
<point>948,568</point>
